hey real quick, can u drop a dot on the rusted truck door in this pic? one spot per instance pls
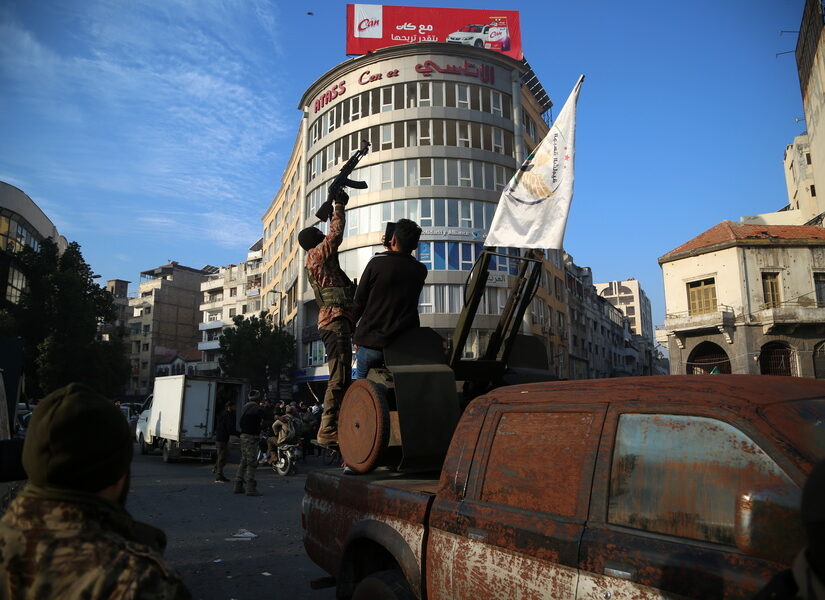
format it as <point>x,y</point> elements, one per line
<point>515,531</point>
<point>664,516</point>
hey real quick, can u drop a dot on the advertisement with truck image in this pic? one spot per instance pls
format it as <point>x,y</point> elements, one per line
<point>374,26</point>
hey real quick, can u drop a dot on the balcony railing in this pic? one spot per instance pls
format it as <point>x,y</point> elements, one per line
<point>209,345</point>
<point>686,321</point>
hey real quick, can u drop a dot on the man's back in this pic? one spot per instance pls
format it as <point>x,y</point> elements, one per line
<point>387,298</point>
<point>55,548</point>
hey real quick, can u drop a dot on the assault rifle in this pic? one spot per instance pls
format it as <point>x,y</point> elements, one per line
<point>342,180</point>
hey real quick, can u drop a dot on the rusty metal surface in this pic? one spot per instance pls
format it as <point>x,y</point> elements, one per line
<point>526,502</point>
<point>334,504</point>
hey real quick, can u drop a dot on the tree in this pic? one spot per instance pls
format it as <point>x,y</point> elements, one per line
<point>57,318</point>
<point>257,350</point>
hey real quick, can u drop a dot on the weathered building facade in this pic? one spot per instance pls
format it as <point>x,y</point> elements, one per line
<point>747,299</point>
<point>165,318</point>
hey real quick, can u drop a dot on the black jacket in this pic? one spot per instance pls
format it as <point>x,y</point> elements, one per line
<point>225,426</point>
<point>386,301</point>
<point>251,414</point>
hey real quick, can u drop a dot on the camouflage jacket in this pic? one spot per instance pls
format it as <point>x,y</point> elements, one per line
<point>67,545</point>
<point>322,263</point>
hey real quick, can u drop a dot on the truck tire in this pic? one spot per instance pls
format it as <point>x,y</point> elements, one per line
<point>144,447</point>
<point>363,425</point>
<point>383,585</point>
<point>169,454</point>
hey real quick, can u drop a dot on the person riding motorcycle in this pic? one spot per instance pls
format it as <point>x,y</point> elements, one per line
<point>285,429</point>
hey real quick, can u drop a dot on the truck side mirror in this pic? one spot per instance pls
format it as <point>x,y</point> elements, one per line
<point>768,523</point>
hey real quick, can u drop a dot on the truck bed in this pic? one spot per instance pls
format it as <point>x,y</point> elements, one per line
<point>382,505</point>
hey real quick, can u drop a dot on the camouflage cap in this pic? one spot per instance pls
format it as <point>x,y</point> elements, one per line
<point>77,439</point>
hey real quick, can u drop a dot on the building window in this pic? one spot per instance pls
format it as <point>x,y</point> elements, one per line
<point>702,296</point>
<point>813,191</point>
<point>819,288</point>
<point>145,347</point>
<point>770,289</point>
<point>233,292</point>
<point>808,158</point>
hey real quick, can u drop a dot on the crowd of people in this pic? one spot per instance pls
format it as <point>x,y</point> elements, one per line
<point>264,425</point>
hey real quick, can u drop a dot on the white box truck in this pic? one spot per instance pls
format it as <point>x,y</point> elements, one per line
<point>179,416</point>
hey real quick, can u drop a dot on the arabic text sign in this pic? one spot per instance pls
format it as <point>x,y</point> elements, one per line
<point>374,26</point>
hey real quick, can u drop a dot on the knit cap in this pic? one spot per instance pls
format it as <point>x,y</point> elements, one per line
<point>77,439</point>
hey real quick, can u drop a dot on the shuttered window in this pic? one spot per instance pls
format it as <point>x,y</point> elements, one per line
<point>702,296</point>
<point>770,288</point>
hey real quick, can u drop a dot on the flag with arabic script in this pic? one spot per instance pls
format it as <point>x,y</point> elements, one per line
<point>532,211</point>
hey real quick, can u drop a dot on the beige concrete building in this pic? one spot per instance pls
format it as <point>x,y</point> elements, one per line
<point>804,158</point>
<point>165,318</point>
<point>747,299</point>
<point>448,126</point>
<point>229,292</point>
<point>629,297</point>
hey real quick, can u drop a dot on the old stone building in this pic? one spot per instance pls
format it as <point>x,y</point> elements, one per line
<point>747,298</point>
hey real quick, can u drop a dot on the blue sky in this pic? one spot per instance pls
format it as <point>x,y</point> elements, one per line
<point>156,131</point>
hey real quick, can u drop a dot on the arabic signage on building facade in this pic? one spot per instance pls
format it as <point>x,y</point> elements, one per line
<point>485,74</point>
<point>452,233</point>
<point>374,26</point>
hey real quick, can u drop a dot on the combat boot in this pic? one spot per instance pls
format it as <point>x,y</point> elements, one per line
<point>238,487</point>
<point>251,489</point>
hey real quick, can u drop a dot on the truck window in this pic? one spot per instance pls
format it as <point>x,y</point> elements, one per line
<point>537,461</point>
<point>681,475</point>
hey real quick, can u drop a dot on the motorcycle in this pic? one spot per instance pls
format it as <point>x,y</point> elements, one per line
<point>286,458</point>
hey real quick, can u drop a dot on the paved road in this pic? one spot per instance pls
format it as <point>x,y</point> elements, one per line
<point>198,515</point>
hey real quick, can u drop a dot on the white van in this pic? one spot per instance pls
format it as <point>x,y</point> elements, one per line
<point>180,415</point>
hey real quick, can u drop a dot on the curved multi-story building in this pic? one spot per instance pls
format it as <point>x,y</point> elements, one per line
<point>448,125</point>
<point>22,223</point>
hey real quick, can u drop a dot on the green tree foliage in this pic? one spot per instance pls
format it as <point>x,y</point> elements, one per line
<point>58,317</point>
<point>253,345</point>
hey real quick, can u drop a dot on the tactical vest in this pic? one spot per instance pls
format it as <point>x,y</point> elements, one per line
<point>333,296</point>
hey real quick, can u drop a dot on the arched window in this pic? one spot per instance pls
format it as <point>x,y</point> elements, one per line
<point>778,358</point>
<point>708,358</point>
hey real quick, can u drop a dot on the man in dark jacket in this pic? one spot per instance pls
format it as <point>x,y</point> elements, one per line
<point>224,428</point>
<point>386,301</point>
<point>251,415</point>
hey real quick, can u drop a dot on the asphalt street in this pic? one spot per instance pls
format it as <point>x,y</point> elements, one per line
<point>202,519</point>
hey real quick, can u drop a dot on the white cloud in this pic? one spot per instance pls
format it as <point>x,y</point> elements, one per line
<point>171,101</point>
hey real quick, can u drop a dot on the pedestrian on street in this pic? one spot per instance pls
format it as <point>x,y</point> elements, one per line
<point>225,429</point>
<point>251,415</point>
<point>67,535</point>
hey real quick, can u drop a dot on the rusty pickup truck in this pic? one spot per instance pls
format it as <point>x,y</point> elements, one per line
<point>653,487</point>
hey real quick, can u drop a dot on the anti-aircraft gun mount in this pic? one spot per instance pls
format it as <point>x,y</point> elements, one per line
<point>404,414</point>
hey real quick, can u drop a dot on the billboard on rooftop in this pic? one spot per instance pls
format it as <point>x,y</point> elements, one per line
<point>374,26</point>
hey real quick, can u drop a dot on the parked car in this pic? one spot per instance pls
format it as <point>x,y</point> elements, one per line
<point>645,487</point>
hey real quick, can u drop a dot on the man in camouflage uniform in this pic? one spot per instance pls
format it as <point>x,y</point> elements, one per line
<point>251,415</point>
<point>334,294</point>
<point>67,535</point>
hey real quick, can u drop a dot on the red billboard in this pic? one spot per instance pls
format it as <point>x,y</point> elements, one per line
<point>374,26</point>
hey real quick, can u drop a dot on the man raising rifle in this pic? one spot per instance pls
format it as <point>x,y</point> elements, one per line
<point>334,294</point>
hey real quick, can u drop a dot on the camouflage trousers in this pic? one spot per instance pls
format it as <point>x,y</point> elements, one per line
<point>337,338</point>
<point>249,458</point>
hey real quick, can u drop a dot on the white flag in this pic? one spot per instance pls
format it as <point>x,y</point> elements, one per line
<point>532,211</point>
